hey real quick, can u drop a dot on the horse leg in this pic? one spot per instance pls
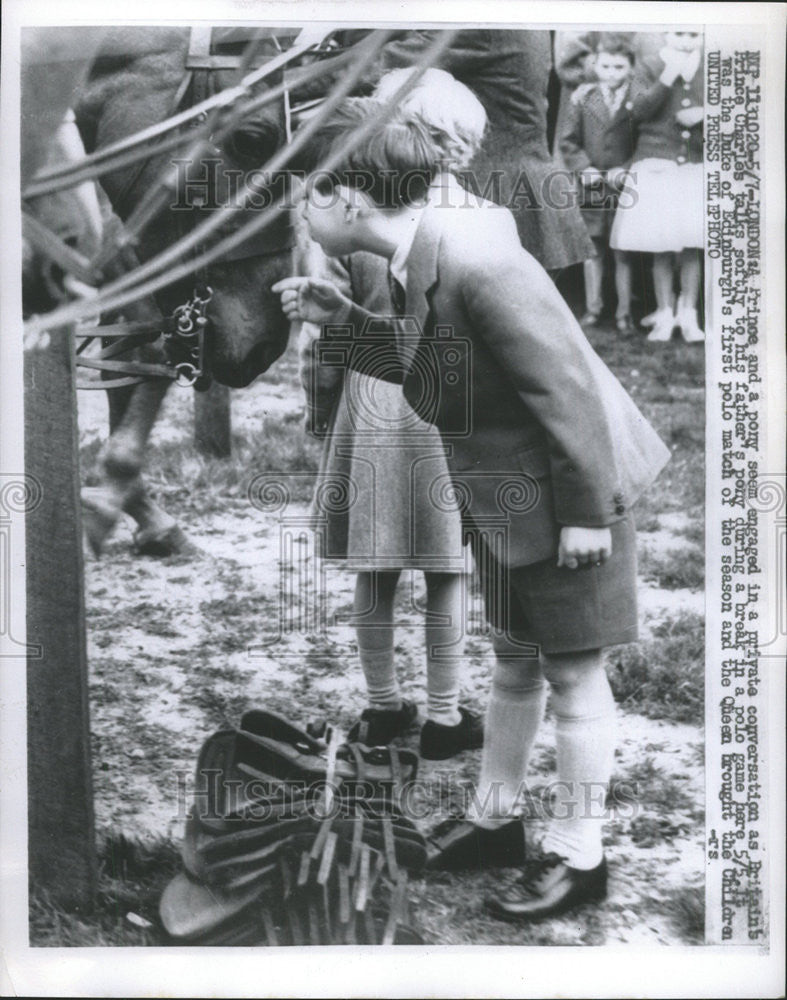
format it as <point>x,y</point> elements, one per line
<point>131,421</point>
<point>132,414</point>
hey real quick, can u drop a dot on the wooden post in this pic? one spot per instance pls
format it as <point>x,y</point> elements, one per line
<point>62,856</point>
<point>213,421</point>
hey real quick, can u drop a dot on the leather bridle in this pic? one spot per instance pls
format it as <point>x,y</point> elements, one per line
<point>175,262</point>
<point>185,330</point>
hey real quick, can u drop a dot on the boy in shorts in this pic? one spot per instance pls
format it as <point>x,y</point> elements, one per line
<point>546,452</point>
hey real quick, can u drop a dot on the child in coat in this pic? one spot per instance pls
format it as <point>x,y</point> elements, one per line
<point>597,144</point>
<point>548,453</point>
<point>667,217</point>
<point>375,441</point>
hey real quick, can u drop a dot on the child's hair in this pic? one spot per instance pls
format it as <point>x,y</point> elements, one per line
<point>450,110</point>
<point>615,43</point>
<point>394,163</point>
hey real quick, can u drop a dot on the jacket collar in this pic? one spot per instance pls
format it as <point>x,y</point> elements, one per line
<point>422,265</point>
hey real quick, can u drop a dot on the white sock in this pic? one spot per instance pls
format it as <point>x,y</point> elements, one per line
<point>444,636</point>
<point>585,741</point>
<point>516,708</point>
<point>380,674</point>
<point>442,691</point>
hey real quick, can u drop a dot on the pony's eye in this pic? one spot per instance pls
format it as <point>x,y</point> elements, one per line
<point>252,146</point>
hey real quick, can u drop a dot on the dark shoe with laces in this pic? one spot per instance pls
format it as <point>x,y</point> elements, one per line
<point>458,844</point>
<point>548,886</point>
<point>440,742</point>
<point>378,726</point>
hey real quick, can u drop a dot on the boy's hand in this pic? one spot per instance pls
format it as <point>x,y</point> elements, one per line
<point>581,92</point>
<point>312,300</point>
<point>689,117</point>
<point>674,62</point>
<point>584,547</point>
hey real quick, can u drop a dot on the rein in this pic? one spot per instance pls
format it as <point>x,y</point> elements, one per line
<point>185,331</point>
<point>168,266</point>
<point>184,334</point>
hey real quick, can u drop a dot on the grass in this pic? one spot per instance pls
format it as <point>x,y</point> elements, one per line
<point>694,532</point>
<point>686,907</point>
<point>675,569</point>
<point>656,789</point>
<point>131,878</point>
<point>663,677</point>
<point>666,381</point>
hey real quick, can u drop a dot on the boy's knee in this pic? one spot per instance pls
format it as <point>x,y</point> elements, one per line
<point>565,671</point>
<point>518,664</point>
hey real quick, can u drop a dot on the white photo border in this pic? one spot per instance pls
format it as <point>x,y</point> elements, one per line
<point>408,972</point>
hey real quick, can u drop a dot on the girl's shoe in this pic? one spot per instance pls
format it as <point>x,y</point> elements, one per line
<point>651,318</point>
<point>689,327</point>
<point>589,319</point>
<point>663,326</point>
<point>378,726</point>
<point>440,742</point>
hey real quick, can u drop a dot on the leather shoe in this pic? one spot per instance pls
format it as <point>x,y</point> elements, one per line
<point>457,844</point>
<point>440,742</point>
<point>378,726</point>
<point>548,886</point>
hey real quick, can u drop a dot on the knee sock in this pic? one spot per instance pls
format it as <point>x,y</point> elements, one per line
<point>375,641</point>
<point>516,708</point>
<point>381,683</point>
<point>585,739</point>
<point>444,643</point>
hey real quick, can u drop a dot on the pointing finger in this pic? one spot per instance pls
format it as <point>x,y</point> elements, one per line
<point>287,283</point>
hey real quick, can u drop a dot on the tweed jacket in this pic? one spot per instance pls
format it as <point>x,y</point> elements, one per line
<point>594,137</point>
<point>538,432</point>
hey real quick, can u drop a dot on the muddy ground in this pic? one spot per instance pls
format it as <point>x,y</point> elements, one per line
<point>181,647</point>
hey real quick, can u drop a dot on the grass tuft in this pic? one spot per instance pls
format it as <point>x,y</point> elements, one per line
<point>676,569</point>
<point>131,878</point>
<point>686,907</point>
<point>664,677</point>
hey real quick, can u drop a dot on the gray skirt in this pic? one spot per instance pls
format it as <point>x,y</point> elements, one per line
<point>384,499</point>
